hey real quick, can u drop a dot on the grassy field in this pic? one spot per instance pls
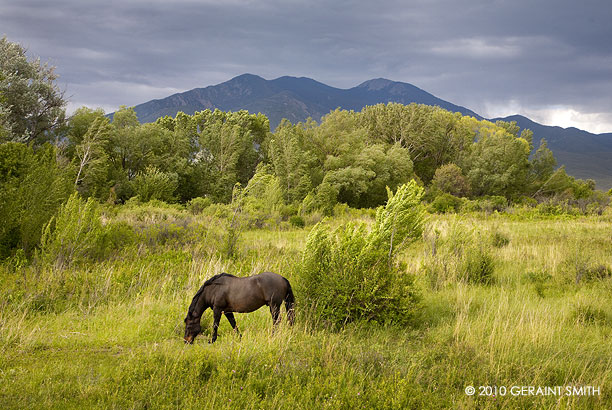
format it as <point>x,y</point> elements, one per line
<point>108,334</point>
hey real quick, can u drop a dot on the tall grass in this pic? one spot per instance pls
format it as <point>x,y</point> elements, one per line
<point>107,333</point>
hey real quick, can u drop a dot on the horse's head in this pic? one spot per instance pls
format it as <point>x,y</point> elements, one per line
<point>192,328</point>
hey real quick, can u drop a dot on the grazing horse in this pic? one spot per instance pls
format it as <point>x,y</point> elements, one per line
<point>225,293</point>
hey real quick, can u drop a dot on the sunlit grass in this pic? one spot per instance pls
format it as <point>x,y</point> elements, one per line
<point>109,334</point>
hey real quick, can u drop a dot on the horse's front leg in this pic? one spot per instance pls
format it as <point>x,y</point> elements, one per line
<point>216,319</point>
<point>230,318</point>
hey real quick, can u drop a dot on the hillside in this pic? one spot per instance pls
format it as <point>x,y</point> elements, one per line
<point>584,155</point>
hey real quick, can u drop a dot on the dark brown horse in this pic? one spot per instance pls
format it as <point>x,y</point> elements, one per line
<point>226,294</point>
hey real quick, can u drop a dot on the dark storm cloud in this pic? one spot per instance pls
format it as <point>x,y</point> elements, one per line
<point>541,58</point>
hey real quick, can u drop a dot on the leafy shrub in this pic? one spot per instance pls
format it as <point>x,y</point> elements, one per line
<point>350,273</point>
<point>287,211</point>
<point>263,192</point>
<point>297,221</point>
<point>74,234</point>
<point>527,201</point>
<point>449,179</point>
<point>493,203</point>
<point>154,184</point>
<point>326,198</point>
<point>118,235</point>
<point>445,203</point>
<point>33,186</point>
<point>308,204</point>
<point>173,234</point>
<point>197,205</point>
<point>553,208</point>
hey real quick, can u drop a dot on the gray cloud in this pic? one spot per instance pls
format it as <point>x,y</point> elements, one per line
<point>491,56</point>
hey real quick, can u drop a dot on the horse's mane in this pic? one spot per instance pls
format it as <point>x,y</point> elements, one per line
<point>194,301</point>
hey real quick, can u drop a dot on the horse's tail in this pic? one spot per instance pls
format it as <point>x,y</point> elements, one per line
<point>289,302</point>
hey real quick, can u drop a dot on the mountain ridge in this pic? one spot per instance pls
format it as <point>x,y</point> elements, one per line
<point>584,154</point>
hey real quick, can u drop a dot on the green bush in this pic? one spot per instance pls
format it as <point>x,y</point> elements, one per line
<point>527,201</point>
<point>350,273</point>
<point>74,234</point>
<point>445,203</point>
<point>553,208</point>
<point>33,185</point>
<point>197,205</point>
<point>493,203</point>
<point>487,204</point>
<point>297,221</point>
<point>154,184</point>
<point>287,211</point>
<point>326,198</point>
<point>118,235</point>
<point>172,234</point>
<point>450,179</point>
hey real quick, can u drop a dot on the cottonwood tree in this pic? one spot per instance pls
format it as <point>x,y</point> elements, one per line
<point>498,163</point>
<point>91,159</point>
<point>31,102</point>
<point>294,165</point>
<point>449,178</point>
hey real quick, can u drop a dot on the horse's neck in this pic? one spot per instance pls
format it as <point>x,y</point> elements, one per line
<point>201,305</point>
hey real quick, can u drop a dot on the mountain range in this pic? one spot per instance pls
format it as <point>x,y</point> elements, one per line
<point>584,155</point>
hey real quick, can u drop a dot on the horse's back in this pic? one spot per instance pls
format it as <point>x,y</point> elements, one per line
<point>273,285</point>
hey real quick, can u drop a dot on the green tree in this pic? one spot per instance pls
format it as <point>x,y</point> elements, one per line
<point>33,184</point>
<point>154,184</point>
<point>228,150</point>
<point>498,162</point>
<point>91,160</point>
<point>542,165</point>
<point>32,104</point>
<point>433,136</point>
<point>294,165</point>
<point>77,127</point>
<point>75,233</point>
<point>449,179</point>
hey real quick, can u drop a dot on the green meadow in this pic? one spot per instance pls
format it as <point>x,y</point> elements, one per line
<point>106,332</point>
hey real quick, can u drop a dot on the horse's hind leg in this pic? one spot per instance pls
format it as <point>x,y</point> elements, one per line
<point>275,312</point>
<point>290,312</point>
<point>230,318</point>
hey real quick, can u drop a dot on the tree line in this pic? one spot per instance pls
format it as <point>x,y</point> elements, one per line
<point>348,157</point>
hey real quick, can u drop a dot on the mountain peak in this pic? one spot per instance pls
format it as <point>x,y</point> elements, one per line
<point>246,78</point>
<point>376,84</point>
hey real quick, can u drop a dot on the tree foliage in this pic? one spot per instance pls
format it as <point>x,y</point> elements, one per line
<point>450,179</point>
<point>31,103</point>
<point>33,184</point>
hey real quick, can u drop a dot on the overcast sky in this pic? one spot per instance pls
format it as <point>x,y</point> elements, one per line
<point>550,60</point>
